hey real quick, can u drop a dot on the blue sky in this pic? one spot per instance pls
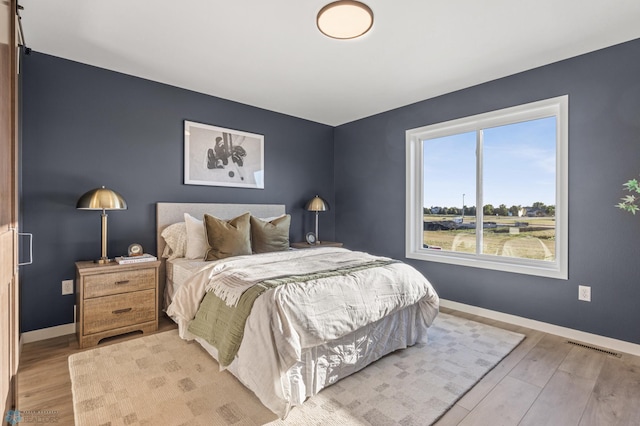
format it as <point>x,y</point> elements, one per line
<point>519,166</point>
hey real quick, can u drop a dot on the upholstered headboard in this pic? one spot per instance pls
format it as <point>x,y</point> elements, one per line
<point>170,213</point>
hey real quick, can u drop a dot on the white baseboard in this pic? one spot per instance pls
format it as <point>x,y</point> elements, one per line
<point>568,333</point>
<point>48,333</point>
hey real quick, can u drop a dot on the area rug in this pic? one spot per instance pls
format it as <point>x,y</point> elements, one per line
<point>163,380</point>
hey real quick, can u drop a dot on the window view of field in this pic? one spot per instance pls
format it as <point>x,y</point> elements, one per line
<point>518,180</point>
<point>520,237</point>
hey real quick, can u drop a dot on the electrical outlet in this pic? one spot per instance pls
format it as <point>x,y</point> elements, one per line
<point>67,287</point>
<point>584,293</point>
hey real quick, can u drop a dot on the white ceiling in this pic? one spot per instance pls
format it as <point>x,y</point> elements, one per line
<point>269,53</point>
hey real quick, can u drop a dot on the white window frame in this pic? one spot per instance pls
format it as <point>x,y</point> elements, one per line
<point>557,107</point>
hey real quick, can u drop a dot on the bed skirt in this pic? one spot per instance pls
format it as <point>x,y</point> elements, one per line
<point>324,365</point>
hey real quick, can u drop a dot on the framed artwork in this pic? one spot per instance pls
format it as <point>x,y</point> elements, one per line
<point>222,157</point>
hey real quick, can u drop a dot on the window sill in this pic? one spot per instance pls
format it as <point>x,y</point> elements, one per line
<point>496,263</point>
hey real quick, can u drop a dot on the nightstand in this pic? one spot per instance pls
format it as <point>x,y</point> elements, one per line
<point>305,245</point>
<point>114,299</point>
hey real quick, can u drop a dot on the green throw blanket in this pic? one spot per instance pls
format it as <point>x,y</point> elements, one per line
<point>223,326</point>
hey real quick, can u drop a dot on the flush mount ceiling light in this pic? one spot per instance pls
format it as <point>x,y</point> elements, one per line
<point>345,19</point>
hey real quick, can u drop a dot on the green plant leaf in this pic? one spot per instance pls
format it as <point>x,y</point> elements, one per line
<point>632,185</point>
<point>628,203</point>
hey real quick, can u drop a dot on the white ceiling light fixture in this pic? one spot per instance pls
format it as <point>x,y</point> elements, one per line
<point>345,19</point>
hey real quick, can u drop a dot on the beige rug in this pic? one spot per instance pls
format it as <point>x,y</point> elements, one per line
<point>163,380</point>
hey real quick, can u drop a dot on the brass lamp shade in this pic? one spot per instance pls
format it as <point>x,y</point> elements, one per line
<point>317,204</point>
<point>102,199</point>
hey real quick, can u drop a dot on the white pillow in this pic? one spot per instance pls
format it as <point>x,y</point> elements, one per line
<point>175,237</point>
<point>196,238</point>
<point>271,219</point>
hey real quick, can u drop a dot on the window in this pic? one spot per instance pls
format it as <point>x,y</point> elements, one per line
<point>490,190</point>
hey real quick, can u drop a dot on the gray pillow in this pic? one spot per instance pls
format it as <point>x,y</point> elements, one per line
<point>272,235</point>
<point>227,238</point>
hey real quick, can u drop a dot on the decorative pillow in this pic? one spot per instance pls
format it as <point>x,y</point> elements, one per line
<point>272,235</point>
<point>227,238</point>
<point>269,219</point>
<point>196,238</point>
<point>176,238</point>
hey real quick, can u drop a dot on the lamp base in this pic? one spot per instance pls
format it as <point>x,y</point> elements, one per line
<point>103,261</point>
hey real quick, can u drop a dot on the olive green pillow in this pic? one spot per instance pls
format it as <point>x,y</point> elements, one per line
<point>272,235</point>
<point>227,238</point>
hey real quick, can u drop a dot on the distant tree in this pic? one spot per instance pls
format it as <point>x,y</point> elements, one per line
<point>488,209</point>
<point>514,210</point>
<point>453,210</point>
<point>539,205</point>
<point>470,211</point>
<point>502,210</point>
<point>550,210</point>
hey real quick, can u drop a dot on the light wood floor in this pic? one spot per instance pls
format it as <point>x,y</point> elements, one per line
<point>544,381</point>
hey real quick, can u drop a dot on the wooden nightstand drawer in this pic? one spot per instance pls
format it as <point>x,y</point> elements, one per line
<point>115,299</point>
<point>120,310</point>
<point>119,282</point>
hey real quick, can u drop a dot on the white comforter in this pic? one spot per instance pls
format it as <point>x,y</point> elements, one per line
<point>290,318</point>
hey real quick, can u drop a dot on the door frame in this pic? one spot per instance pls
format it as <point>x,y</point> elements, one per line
<point>9,210</point>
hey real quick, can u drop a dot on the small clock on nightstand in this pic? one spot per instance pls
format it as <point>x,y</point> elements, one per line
<point>135,249</point>
<point>311,238</point>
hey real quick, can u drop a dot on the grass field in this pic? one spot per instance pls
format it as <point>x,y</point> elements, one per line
<point>533,238</point>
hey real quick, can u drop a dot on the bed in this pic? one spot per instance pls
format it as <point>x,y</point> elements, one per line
<point>300,334</point>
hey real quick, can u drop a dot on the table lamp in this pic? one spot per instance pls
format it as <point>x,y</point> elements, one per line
<point>102,199</point>
<point>317,204</point>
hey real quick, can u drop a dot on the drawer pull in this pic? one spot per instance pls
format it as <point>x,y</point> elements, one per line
<point>122,282</point>
<point>121,311</point>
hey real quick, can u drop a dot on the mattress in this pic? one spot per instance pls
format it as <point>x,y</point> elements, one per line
<point>178,271</point>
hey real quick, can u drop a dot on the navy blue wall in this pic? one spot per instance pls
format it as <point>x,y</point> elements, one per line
<point>604,152</point>
<point>84,127</point>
